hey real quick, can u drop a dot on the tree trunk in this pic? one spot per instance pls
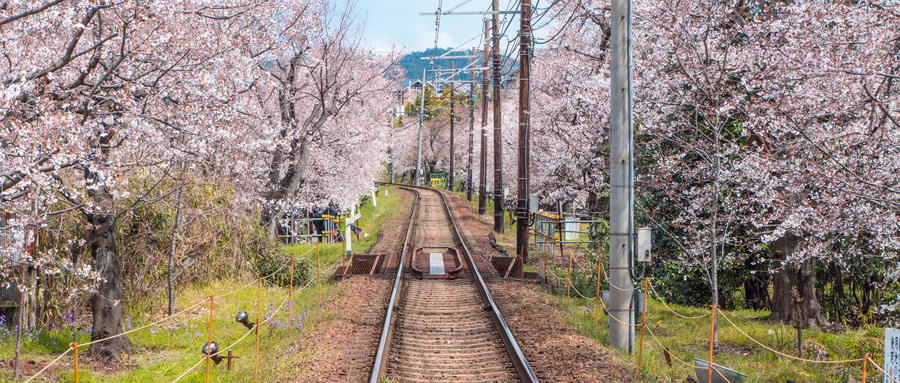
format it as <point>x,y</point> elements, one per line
<point>285,188</point>
<point>173,246</point>
<point>794,280</point>
<point>756,288</point>
<point>598,206</point>
<point>108,302</point>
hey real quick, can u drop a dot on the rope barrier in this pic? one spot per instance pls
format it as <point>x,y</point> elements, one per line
<point>605,274</point>
<point>199,362</point>
<point>609,315</point>
<point>673,311</point>
<point>668,351</point>
<point>160,320</point>
<point>246,334</point>
<point>653,334</point>
<point>883,372</point>
<point>49,364</point>
<point>786,355</point>
<point>572,286</point>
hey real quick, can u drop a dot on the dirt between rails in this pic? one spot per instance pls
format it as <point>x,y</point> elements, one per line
<point>554,349</point>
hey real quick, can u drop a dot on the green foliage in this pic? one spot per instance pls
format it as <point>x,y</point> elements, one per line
<point>280,266</point>
<point>435,105</point>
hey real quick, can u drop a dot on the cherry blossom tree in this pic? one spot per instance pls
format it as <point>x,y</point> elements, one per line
<point>324,74</point>
<point>96,95</point>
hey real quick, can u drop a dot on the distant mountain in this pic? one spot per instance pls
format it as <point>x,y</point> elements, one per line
<point>413,63</point>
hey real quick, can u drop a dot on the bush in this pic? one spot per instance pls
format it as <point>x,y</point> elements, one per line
<point>279,264</point>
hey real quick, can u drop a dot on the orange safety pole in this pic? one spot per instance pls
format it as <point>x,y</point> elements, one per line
<point>74,347</point>
<point>569,277</point>
<point>712,334</point>
<point>209,340</point>
<point>258,323</point>
<point>643,324</point>
<point>599,296</point>
<point>291,294</point>
<point>319,272</point>
<point>865,366</point>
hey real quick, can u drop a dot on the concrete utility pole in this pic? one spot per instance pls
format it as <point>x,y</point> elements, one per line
<point>471,104</point>
<point>452,123</point>
<point>482,172</point>
<point>421,124</point>
<point>498,159</point>
<point>524,125</point>
<point>621,334</point>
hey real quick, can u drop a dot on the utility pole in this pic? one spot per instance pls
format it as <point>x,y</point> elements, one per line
<point>452,123</point>
<point>482,171</point>
<point>621,333</point>
<point>524,125</point>
<point>421,123</point>
<point>498,159</point>
<point>471,104</point>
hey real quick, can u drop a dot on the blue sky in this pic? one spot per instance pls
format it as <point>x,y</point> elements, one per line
<point>389,22</point>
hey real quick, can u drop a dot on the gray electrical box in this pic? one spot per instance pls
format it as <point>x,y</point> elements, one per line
<point>643,244</point>
<point>533,203</point>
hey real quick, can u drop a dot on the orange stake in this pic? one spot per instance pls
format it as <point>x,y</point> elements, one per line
<point>643,324</point>
<point>599,297</point>
<point>319,273</point>
<point>865,366</point>
<point>712,334</point>
<point>291,294</point>
<point>569,277</point>
<point>258,323</point>
<point>74,347</point>
<point>209,339</point>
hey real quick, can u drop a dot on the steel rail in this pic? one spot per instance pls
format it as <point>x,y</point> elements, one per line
<point>509,341</point>
<point>389,317</point>
<point>526,374</point>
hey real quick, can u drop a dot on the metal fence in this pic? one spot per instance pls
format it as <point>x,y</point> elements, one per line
<point>308,229</point>
<point>549,232</point>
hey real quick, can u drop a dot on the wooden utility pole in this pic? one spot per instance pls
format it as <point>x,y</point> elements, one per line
<point>471,104</point>
<point>524,125</point>
<point>421,125</point>
<point>482,171</point>
<point>452,123</point>
<point>498,136</point>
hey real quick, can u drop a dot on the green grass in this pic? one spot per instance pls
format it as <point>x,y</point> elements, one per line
<point>689,338</point>
<point>165,351</point>
<point>371,222</point>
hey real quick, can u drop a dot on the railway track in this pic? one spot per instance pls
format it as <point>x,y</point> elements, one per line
<point>441,323</point>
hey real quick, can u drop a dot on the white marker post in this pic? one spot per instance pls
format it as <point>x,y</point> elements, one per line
<point>891,354</point>
<point>354,215</point>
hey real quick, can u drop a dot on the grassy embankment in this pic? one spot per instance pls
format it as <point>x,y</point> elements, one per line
<point>689,338</point>
<point>166,351</point>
